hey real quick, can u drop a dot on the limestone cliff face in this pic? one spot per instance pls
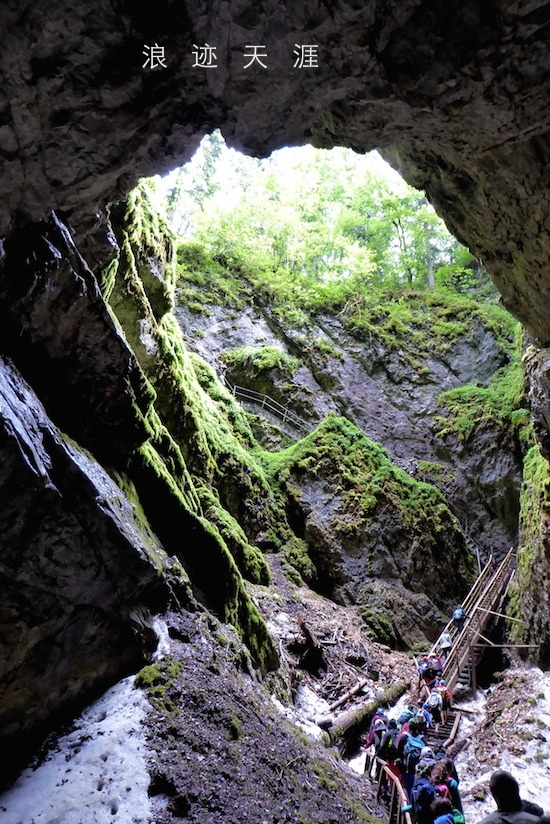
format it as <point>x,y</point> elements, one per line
<point>530,603</point>
<point>389,386</point>
<point>84,566</point>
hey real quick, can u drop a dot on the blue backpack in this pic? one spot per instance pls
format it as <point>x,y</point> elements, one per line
<point>422,795</point>
<point>458,614</point>
<point>411,751</point>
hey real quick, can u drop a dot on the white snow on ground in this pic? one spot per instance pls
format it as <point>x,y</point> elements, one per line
<point>308,709</point>
<point>94,775</point>
<point>531,769</point>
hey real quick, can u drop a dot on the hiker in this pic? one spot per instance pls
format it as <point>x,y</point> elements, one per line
<point>409,747</point>
<point>452,782</point>
<point>442,810</point>
<point>427,675</point>
<point>439,778</point>
<point>459,618</point>
<point>445,644</point>
<point>405,717</point>
<point>505,790</point>
<point>445,693</point>
<point>380,714</point>
<point>388,752</point>
<point>427,757</point>
<point>434,705</point>
<point>436,664</point>
<point>425,671</point>
<point>422,795</point>
<point>423,720</point>
<point>378,729</point>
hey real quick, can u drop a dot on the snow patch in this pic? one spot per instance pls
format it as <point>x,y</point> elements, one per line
<point>161,631</point>
<point>95,774</point>
<point>531,768</point>
<point>308,709</point>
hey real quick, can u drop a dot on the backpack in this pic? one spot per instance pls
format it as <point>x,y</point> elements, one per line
<point>426,670</point>
<point>405,716</point>
<point>388,747</point>
<point>379,732</point>
<point>422,795</point>
<point>458,614</point>
<point>412,751</point>
<point>434,701</point>
<point>420,719</point>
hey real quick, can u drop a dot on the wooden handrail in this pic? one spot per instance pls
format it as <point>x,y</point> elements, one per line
<point>398,801</point>
<point>481,599</point>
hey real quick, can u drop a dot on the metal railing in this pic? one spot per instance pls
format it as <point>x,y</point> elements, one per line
<point>267,404</point>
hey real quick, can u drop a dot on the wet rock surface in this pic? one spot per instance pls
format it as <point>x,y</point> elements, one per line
<point>79,571</point>
<point>391,402</point>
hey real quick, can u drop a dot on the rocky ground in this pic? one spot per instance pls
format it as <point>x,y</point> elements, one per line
<point>348,654</point>
<point>506,727</point>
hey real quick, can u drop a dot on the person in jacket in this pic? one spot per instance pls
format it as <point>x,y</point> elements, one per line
<point>505,790</point>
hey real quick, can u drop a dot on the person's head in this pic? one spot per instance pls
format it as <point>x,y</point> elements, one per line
<point>441,806</point>
<point>423,770</point>
<point>413,727</point>
<point>505,790</point>
<point>392,724</point>
<point>448,765</point>
<point>439,773</point>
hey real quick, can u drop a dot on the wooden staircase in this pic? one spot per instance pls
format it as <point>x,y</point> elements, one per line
<point>481,606</point>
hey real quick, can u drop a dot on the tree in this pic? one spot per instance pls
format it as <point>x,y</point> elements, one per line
<point>316,214</point>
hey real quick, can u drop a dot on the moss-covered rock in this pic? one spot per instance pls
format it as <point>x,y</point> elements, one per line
<point>193,475</point>
<point>360,522</point>
<point>529,595</point>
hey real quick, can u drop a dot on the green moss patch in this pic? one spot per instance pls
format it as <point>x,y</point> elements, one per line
<point>156,680</point>
<point>502,403</point>
<point>194,479</point>
<point>261,359</point>
<point>529,601</point>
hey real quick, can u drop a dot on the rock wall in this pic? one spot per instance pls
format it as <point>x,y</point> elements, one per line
<point>83,566</point>
<point>385,375</point>
<point>460,100</point>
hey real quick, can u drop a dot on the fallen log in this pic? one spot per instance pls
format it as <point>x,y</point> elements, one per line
<point>357,688</point>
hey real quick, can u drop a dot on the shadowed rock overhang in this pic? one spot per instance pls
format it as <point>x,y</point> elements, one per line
<point>457,99</point>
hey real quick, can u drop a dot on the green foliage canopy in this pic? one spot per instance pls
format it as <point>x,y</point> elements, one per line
<point>315,215</point>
